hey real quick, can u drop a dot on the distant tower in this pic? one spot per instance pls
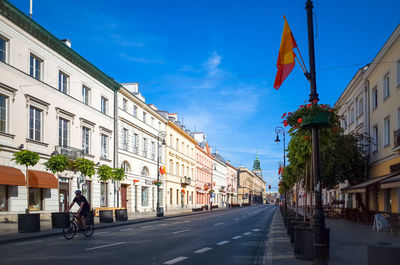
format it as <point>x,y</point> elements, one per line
<point>256,167</point>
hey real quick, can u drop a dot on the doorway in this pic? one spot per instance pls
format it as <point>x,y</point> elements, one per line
<point>123,196</point>
<point>63,197</point>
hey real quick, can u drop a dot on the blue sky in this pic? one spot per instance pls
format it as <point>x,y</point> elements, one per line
<point>213,62</point>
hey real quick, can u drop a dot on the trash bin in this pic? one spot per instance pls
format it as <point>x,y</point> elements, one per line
<point>160,211</point>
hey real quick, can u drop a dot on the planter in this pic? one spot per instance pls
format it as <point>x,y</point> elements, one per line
<point>290,219</point>
<point>197,209</point>
<point>28,223</point>
<point>121,215</point>
<point>160,211</point>
<point>214,206</point>
<point>303,247</point>
<point>319,119</point>
<point>106,216</point>
<point>296,223</point>
<point>59,220</point>
<point>90,218</point>
<point>383,253</point>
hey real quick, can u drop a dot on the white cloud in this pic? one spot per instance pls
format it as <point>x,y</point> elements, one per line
<point>212,63</point>
<point>141,60</point>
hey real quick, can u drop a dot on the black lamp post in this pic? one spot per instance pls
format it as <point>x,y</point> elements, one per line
<point>280,130</point>
<point>161,135</point>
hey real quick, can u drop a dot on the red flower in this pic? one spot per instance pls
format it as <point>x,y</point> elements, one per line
<point>289,113</point>
<point>283,116</point>
<point>299,120</point>
<point>306,138</point>
<point>285,123</point>
<point>323,106</point>
<point>315,101</point>
<point>301,106</point>
<point>308,105</point>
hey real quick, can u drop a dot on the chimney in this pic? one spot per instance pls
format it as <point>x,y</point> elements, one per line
<point>67,42</point>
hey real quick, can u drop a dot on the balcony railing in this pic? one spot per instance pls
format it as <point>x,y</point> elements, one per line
<point>397,138</point>
<point>70,152</point>
<point>185,181</point>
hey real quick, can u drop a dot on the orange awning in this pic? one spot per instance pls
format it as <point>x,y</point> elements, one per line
<point>11,176</point>
<point>42,179</point>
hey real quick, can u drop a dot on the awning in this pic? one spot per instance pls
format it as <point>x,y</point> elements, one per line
<point>42,179</point>
<point>392,182</point>
<point>11,176</point>
<point>200,191</point>
<point>360,188</point>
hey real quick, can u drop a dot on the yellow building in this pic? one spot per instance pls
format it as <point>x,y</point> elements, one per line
<point>180,161</point>
<point>251,186</point>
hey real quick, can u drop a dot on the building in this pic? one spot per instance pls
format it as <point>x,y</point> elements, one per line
<point>52,101</point>
<point>259,185</point>
<point>231,188</point>
<point>180,159</point>
<point>219,179</point>
<point>141,129</point>
<point>245,185</point>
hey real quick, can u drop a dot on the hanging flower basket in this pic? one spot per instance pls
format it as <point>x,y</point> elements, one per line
<point>317,119</point>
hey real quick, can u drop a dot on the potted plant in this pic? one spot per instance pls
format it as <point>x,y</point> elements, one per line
<point>105,173</point>
<point>27,222</point>
<point>58,164</point>
<point>118,175</point>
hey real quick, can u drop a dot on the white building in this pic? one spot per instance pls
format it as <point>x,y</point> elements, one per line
<point>51,101</point>
<point>140,126</point>
<point>220,182</point>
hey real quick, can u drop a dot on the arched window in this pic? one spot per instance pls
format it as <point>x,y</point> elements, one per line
<point>145,172</point>
<point>171,167</point>
<point>126,166</point>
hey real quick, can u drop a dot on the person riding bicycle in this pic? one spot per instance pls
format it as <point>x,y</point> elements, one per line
<point>84,208</point>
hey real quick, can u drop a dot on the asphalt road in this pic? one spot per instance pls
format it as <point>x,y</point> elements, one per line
<point>235,236</point>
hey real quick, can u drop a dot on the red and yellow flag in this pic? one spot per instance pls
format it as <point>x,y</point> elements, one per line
<point>286,56</point>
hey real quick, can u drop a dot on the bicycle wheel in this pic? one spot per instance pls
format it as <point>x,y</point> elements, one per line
<point>89,230</point>
<point>70,231</point>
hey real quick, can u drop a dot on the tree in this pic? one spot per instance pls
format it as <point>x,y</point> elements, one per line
<point>118,174</point>
<point>85,167</point>
<point>28,159</point>
<point>105,173</point>
<point>57,163</point>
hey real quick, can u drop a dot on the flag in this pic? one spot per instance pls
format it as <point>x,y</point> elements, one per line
<point>164,170</point>
<point>280,170</point>
<point>286,56</point>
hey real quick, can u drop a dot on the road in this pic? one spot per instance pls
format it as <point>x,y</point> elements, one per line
<point>235,236</point>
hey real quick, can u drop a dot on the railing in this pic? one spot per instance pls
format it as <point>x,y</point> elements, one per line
<point>185,181</point>
<point>397,138</point>
<point>70,152</point>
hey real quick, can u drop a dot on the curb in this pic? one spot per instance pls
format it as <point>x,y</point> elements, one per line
<point>269,251</point>
<point>21,237</point>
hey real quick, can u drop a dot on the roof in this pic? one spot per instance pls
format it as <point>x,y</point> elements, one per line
<point>219,157</point>
<point>362,186</point>
<point>17,17</point>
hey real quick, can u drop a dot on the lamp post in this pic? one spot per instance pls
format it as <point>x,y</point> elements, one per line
<point>280,130</point>
<point>161,135</point>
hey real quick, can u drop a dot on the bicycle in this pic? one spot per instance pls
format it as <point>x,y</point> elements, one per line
<point>75,226</point>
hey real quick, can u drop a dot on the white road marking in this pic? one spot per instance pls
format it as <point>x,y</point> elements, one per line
<point>202,250</point>
<point>222,243</point>
<point>30,242</point>
<point>104,246</point>
<point>176,223</point>
<point>147,226</point>
<point>173,261</point>
<point>256,230</point>
<point>248,233</point>
<point>100,233</point>
<point>163,224</point>
<point>186,222</point>
<point>180,231</point>
<point>219,223</point>
<point>236,237</point>
<point>127,229</point>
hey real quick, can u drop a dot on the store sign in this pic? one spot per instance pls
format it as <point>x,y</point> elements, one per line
<point>148,182</point>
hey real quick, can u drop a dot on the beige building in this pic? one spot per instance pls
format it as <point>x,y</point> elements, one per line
<point>180,160</point>
<point>251,186</point>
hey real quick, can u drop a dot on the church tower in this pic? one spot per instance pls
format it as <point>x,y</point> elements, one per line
<point>256,167</point>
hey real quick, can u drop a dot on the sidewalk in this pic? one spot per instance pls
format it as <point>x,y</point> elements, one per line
<point>9,231</point>
<point>348,242</point>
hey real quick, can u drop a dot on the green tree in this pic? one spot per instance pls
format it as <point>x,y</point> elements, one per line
<point>105,173</point>
<point>57,163</point>
<point>118,174</point>
<point>85,167</point>
<point>28,159</point>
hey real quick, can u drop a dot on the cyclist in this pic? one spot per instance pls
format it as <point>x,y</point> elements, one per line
<point>84,208</point>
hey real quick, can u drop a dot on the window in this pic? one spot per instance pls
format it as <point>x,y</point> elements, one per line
<point>386,87</point>
<point>3,198</point>
<point>3,50</point>
<point>177,144</point>
<point>103,194</point>
<point>104,146</point>
<point>177,169</point>
<point>170,140</point>
<point>177,196</point>
<point>125,139</point>
<point>144,147</point>
<point>183,147</point>
<point>183,170</point>
<point>124,104</point>
<point>152,122</point>
<point>104,105</point>
<point>35,67</point>
<point>135,111</point>
<point>170,196</point>
<point>35,123</point>
<point>360,106</point>
<point>135,143</point>
<point>171,167</point>
<point>145,195</point>
<point>3,113</point>
<point>374,98</point>
<point>375,140</point>
<point>86,140</point>
<point>62,82</point>
<point>85,95</point>
<point>87,190</point>
<point>153,150</point>
<point>386,131</point>
<point>35,199</point>
<point>159,126</point>
<point>144,116</point>
<point>63,125</point>
<point>398,74</point>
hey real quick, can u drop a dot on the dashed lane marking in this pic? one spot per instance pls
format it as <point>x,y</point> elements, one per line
<point>127,229</point>
<point>222,243</point>
<point>256,230</point>
<point>104,246</point>
<point>147,226</point>
<point>180,231</point>
<point>219,223</point>
<point>173,261</point>
<point>236,237</point>
<point>30,242</point>
<point>247,233</point>
<point>101,233</point>
<point>202,250</point>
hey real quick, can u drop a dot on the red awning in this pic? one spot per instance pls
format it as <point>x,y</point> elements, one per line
<point>42,179</point>
<point>11,176</point>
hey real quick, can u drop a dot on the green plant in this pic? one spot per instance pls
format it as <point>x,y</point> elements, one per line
<point>57,163</point>
<point>85,167</point>
<point>118,174</point>
<point>105,172</point>
<point>26,158</point>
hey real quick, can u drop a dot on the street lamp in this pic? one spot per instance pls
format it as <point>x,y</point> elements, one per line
<point>280,130</point>
<point>161,135</point>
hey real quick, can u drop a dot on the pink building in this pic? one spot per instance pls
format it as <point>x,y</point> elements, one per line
<point>231,178</point>
<point>203,180</point>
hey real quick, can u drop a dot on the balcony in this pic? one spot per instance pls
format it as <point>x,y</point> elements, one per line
<point>397,140</point>
<point>70,152</point>
<point>185,181</point>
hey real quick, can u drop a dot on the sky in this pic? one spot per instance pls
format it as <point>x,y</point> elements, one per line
<point>214,62</point>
